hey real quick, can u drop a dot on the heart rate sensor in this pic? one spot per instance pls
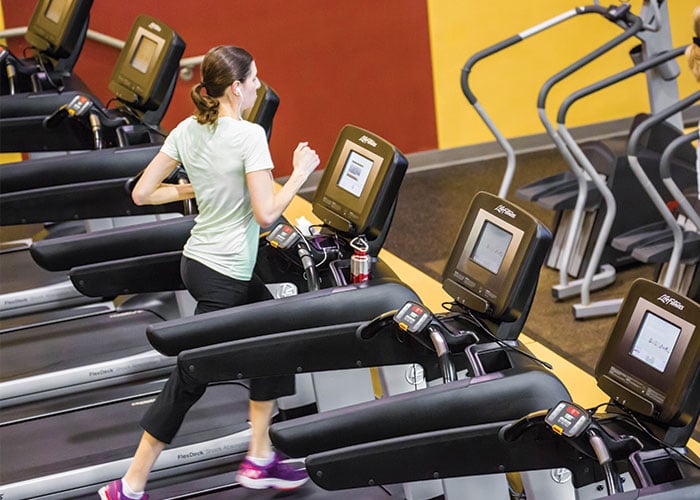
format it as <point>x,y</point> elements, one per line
<point>282,236</point>
<point>568,420</point>
<point>413,317</point>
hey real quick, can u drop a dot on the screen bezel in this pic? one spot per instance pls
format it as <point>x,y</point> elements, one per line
<point>669,398</point>
<point>141,84</point>
<point>477,272</point>
<point>357,205</point>
<point>57,39</point>
<point>371,213</point>
<point>633,366</point>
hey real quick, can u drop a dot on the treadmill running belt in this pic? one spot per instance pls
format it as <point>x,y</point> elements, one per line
<point>92,436</point>
<point>20,272</point>
<point>77,342</point>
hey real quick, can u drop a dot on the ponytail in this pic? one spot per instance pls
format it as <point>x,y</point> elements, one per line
<point>206,107</point>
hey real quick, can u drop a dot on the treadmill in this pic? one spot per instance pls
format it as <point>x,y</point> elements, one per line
<point>650,369</point>
<point>355,302</point>
<point>87,185</point>
<point>71,120</point>
<point>492,272</point>
<point>56,33</point>
<point>142,81</point>
<point>124,354</point>
<point>77,186</point>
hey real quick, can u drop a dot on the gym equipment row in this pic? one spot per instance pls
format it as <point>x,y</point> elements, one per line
<point>601,174</point>
<point>649,368</point>
<point>381,169</point>
<point>491,275</point>
<point>56,33</point>
<point>142,81</point>
<point>495,373</point>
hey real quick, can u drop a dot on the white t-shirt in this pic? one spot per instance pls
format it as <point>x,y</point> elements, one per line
<point>216,159</point>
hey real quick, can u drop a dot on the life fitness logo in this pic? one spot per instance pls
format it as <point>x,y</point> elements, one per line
<point>505,211</point>
<point>367,140</point>
<point>666,299</point>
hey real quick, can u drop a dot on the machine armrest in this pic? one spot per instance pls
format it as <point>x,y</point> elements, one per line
<point>328,306</point>
<point>60,254</point>
<point>478,400</point>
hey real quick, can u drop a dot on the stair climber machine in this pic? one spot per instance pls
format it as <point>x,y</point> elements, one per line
<point>680,268</point>
<point>90,426</point>
<point>570,193</point>
<point>143,80</point>
<point>56,34</point>
<point>87,186</point>
<point>582,219</point>
<point>492,274</point>
<point>667,240</point>
<point>650,369</point>
<point>620,15</point>
<point>634,176</point>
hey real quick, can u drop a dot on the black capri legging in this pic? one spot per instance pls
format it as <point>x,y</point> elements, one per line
<point>212,291</point>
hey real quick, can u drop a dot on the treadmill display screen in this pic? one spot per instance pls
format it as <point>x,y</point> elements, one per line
<point>355,173</point>
<point>143,55</point>
<point>54,11</point>
<point>360,183</point>
<point>57,27</point>
<point>495,260</point>
<point>491,247</point>
<point>655,341</point>
<point>651,362</point>
<point>147,65</point>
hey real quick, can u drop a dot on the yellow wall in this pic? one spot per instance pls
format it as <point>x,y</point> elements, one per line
<point>507,84</point>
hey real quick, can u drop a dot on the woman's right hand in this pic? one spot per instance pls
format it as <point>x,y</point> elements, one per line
<point>305,160</point>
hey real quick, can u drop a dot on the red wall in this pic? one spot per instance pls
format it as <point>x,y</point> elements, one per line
<point>332,62</point>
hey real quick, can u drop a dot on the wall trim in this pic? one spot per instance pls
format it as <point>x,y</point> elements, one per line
<point>463,155</point>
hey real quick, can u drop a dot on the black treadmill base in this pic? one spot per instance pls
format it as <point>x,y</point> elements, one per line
<point>218,482</point>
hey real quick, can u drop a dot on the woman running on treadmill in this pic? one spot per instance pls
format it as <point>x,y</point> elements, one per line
<point>228,162</point>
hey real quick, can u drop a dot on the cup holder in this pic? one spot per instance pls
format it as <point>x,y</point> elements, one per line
<point>662,470</point>
<point>494,360</point>
<point>133,135</point>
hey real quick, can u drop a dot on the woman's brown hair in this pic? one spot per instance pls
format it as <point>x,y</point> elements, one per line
<point>221,66</point>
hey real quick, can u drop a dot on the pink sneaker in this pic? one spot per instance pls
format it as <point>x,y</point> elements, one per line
<point>113,491</point>
<point>276,474</point>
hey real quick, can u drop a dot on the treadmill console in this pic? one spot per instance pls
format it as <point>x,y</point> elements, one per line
<point>57,26</point>
<point>650,363</point>
<point>496,259</point>
<point>358,189</point>
<point>147,65</point>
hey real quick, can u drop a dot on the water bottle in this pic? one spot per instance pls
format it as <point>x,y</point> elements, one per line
<point>359,260</point>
